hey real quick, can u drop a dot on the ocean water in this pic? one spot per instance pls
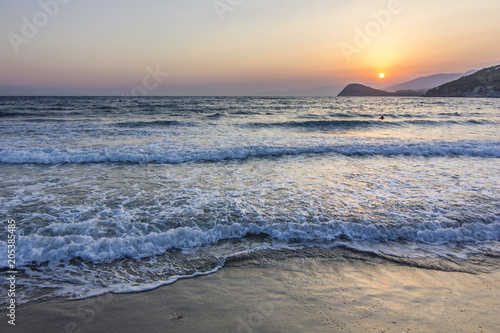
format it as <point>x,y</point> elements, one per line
<point>119,194</point>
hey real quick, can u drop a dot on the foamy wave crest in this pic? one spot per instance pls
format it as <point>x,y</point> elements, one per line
<point>38,249</point>
<point>158,154</point>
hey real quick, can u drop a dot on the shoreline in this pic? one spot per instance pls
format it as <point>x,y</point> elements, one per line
<point>336,290</point>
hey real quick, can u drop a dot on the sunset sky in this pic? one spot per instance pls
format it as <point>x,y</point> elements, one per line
<point>236,47</point>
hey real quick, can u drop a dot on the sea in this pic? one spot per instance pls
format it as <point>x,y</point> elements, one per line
<point>126,194</point>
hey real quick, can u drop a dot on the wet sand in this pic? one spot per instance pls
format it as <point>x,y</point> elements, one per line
<point>344,292</point>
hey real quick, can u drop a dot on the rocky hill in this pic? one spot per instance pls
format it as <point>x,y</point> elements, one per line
<point>358,90</point>
<point>485,83</point>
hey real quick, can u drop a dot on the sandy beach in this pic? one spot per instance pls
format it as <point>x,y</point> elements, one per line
<point>319,291</point>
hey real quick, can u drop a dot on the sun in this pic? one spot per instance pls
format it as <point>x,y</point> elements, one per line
<point>381,75</point>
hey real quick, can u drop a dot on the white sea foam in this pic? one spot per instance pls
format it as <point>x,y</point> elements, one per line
<point>161,154</point>
<point>38,249</point>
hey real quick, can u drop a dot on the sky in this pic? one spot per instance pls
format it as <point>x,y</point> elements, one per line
<point>236,47</point>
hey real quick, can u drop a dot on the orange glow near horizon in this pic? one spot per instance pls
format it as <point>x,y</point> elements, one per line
<point>295,46</point>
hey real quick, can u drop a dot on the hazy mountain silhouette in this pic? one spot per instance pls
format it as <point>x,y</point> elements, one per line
<point>428,82</point>
<point>356,89</point>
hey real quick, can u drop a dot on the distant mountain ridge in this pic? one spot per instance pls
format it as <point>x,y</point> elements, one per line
<point>484,83</point>
<point>428,82</point>
<point>358,90</point>
<point>417,87</point>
